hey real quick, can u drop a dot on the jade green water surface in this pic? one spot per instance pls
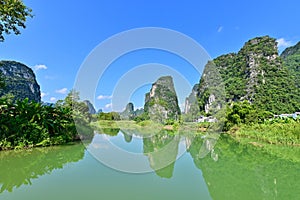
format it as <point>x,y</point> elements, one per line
<point>229,171</point>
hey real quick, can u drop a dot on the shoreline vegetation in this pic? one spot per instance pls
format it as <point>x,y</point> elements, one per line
<point>26,124</point>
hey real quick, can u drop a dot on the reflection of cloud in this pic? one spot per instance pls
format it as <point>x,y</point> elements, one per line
<point>38,67</point>
<point>52,99</point>
<point>100,146</point>
<point>108,105</point>
<point>43,94</point>
<point>101,97</point>
<point>220,29</point>
<point>281,42</point>
<point>62,91</point>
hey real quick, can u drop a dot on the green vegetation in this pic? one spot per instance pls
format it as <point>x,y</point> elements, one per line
<point>244,113</point>
<point>20,81</point>
<point>257,74</point>
<point>277,131</point>
<point>27,124</point>
<point>248,124</point>
<point>291,59</point>
<point>162,104</point>
<point>13,14</point>
<point>109,116</point>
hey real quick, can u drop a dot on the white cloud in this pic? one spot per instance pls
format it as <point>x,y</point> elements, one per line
<point>43,94</point>
<point>38,67</point>
<point>62,91</point>
<point>220,29</point>
<point>52,99</point>
<point>101,97</point>
<point>108,105</point>
<point>282,43</point>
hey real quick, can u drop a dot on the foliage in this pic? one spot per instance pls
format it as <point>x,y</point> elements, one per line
<point>109,116</point>
<point>244,113</point>
<point>20,81</point>
<point>27,124</point>
<point>13,14</point>
<point>291,58</point>
<point>2,82</point>
<point>162,104</point>
<point>144,116</point>
<point>280,132</point>
<point>257,74</point>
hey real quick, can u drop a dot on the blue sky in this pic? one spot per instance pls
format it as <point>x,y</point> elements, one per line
<point>63,33</point>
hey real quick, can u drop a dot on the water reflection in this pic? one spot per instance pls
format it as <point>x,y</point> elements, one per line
<point>20,167</point>
<point>230,170</point>
<point>162,150</point>
<point>245,172</point>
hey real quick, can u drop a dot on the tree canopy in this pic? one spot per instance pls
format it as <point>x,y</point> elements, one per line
<point>13,15</point>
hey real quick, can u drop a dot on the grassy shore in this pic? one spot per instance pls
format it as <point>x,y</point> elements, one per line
<point>274,134</point>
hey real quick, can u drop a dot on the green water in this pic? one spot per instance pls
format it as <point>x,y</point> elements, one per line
<point>229,171</point>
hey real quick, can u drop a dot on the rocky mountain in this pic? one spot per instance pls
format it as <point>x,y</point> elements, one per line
<point>20,81</point>
<point>191,101</point>
<point>161,103</point>
<point>293,50</point>
<point>91,107</point>
<point>256,73</point>
<point>291,59</point>
<point>128,113</point>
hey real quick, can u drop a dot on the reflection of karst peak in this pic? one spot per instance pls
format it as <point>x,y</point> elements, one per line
<point>162,150</point>
<point>127,137</point>
<point>234,170</point>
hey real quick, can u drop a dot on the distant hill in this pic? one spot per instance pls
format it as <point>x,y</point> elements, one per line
<point>90,106</point>
<point>291,59</point>
<point>257,74</point>
<point>20,81</point>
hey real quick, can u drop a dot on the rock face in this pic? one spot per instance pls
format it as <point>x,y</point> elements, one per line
<point>191,102</point>
<point>162,150</point>
<point>128,113</point>
<point>19,81</point>
<point>257,74</point>
<point>161,102</point>
<point>92,109</point>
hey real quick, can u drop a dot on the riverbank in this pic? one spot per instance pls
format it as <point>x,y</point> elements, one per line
<point>274,134</point>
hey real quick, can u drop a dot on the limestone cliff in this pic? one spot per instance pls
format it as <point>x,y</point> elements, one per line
<point>91,107</point>
<point>161,103</point>
<point>128,113</point>
<point>19,81</point>
<point>256,73</point>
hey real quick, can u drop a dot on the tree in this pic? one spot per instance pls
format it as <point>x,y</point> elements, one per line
<point>13,14</point>
<point>2,82</point>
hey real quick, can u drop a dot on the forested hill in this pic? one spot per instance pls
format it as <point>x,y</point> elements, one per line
<point>258,74</point>
<point>291,59</point>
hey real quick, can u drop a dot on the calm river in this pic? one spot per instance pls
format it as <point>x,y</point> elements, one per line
<point>226,171</point>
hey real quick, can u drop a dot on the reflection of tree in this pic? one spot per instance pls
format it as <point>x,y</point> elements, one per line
<point>19,168</point>
<point>162,150</point>
<point>110,131</point>
<point>244,172</point>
